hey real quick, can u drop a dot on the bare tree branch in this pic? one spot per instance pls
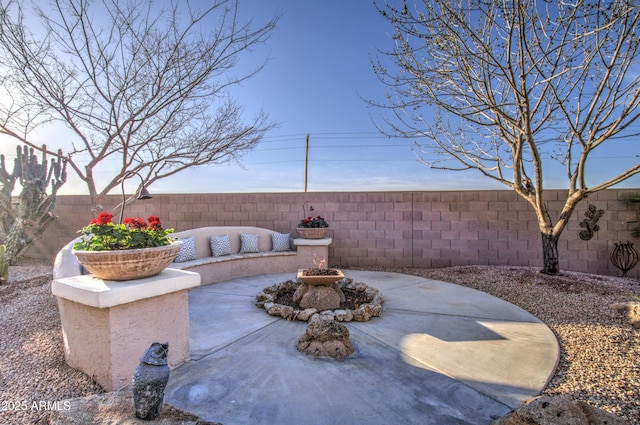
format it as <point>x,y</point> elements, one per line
<point>504,87</point>
<point>143,83</point>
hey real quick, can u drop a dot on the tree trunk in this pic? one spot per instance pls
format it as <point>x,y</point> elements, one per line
<point>550,254</point>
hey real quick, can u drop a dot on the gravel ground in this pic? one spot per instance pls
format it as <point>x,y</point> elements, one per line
<point>599,362</point>
<point>32,366</point>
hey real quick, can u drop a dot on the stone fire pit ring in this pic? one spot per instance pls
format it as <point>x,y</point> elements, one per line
<point>365,312</point>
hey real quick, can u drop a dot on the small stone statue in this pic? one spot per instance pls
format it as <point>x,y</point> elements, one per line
<point>149,380</point>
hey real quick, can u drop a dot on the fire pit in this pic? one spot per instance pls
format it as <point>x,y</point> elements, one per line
<point>361,302</point>
<point>319,289</point>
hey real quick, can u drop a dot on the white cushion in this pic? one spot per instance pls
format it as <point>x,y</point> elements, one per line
<point>220,245</point>
<point>187,250</point>
<point>280,241</point>
<point>248,243</point>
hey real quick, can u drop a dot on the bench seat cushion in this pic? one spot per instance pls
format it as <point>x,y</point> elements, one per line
<point>232,257</point>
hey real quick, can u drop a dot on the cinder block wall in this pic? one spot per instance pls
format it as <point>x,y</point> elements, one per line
<point>412,229</point>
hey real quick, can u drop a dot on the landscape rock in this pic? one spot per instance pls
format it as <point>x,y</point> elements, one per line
<point>631,309</point>
<point>287,312</point>
<point>363,313</point>
<point>326,338</point>
<point>273,309</point>
<point>116,408</point>
<point>321,298</point>
<point>300,291</point>
<point>343,315</point>
<point>306,314</point>
<point>559,410</point>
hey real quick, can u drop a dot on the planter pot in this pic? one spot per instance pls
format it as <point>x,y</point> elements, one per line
<point>128,264</point>
<point>312,232</point>
<point>321,280</point>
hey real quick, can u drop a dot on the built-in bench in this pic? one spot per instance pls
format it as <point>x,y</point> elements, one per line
<point>198,256</point>
<point>240,260</point>
<point>107,324</point>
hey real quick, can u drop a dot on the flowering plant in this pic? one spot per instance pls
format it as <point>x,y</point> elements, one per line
<point>313,222</point>
<point>103,235</point>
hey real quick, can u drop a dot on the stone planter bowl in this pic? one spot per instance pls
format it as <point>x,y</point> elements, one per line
<point>128,264</point>
<point>321,280</point>
<point>312,232</point>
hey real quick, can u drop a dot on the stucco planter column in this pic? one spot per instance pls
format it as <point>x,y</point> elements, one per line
<point>107,325</point>
<point>311,251</point>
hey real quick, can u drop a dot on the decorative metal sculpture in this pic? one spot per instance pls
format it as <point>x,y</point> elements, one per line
<point>624,256</point>
<point>589,223</point>
<point>149,381</point>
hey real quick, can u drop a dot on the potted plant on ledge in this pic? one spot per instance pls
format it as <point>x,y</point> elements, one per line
<point>132,250</point>
<point>313,228</point>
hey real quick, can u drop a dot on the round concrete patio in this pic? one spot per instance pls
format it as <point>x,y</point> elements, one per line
<point>440,354</point>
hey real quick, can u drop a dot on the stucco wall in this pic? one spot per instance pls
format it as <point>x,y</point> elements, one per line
<point>419,229</point>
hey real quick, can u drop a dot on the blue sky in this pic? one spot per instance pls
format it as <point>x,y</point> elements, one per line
<point>318,74</point>
<point>316,78</point>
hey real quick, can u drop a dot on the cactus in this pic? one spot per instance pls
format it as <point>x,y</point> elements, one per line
<point>4,265</point>
<point>22,223</point>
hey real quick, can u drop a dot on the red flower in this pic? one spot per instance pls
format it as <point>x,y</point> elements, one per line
<point>135,223</point>
<point>133,233</point>
<point>154,222</point>
<point>103,218</point>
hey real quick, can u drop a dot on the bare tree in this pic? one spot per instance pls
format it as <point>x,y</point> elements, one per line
<point>504,87</point>
<point>143,86</point>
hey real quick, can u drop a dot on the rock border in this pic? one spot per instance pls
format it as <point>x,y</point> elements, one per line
<point>266,300</point>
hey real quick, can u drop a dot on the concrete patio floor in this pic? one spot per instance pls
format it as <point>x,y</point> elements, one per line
<point>440,354</point>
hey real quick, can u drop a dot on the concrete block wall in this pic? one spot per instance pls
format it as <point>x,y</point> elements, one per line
<point>406,229</point>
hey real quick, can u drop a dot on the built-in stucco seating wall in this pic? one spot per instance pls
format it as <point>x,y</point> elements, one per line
<point>301,254</point>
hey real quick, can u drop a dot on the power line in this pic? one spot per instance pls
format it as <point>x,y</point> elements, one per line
<point>324,136</point>
<point>327,136</point>
<point>333,146</point>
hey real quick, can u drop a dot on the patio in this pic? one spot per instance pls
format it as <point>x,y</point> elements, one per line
<point>440,353</point>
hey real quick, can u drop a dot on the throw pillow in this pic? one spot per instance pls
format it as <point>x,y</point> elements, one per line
<point>220,245</point>
<point>280,241</point>
<point>248,243</point>
<point>187,250</point>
